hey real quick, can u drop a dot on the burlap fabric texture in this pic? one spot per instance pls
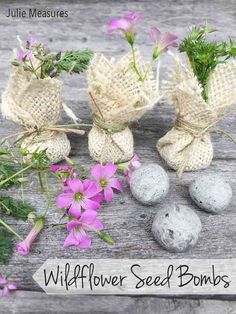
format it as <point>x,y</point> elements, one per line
<point>33,102</point>
<point>117,98</point>
<point>187,146</point>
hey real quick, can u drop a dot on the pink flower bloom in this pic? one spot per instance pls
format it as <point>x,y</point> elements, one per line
<point>163,41</point>
<point>88,221</point>
<point>23,247</point>
<point>125,24</point>
<point>55,168</point>
<point>77,195</point>
<point>22,55</point>
<point>132,165</point>
<point>104,177</point>
<point>32,41</point>
<point>3,280</point>
<point>7,286</point>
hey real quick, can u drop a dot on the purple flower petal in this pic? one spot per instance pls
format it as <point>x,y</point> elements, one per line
<point>71,240</point>
<point>21,54</point>
<point>64,200</point>
<point>97,198</point>
<point>128,178</point>
<point>5,291</point>
<point>133,16</point>
<point>121,24</point>
<point>115,183</point>
<point>88,217</point>
<point>109,170</point>
<point>168,38</point>
<point>75,209</point>
<point>89,204</point>
<point>73,224</point>
<point>90,188</point>
<point>97,224</point>
<point>97,171</point>
<point>23,248</point>
<point>75,185</point>
<point>85,241</point>
<point>108,194</point>
<point>155,34</point>
<point>3,280</point>
<point>32,41</point>
<point>55,168</point>
<point>28,54</point>
<point>12,286</point>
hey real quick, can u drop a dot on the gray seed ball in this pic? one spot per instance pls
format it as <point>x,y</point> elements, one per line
<point>149,184</point>
<point>211,193</point>
<point>176,227</point>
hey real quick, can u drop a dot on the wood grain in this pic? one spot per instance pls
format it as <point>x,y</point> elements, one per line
<point>128,222</point>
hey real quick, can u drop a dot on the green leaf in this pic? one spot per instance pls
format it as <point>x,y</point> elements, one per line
<point>106,237</point>
<point>15,208</point>
<point>204,56</point>
<point>6,246</point>
<point>7,171</point>
<point>75,61</point>
<point>4,151</point>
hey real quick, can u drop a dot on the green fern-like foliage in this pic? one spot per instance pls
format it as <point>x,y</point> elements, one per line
<point>204,56</point>
<point>69,61</point>
<point>6,246</point>
<point>15,208</point>
<point>7,171</point>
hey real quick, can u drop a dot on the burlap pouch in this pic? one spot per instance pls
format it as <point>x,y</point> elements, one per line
<point>33,102</point>
<point>187,146</point>
<point>117,98</point>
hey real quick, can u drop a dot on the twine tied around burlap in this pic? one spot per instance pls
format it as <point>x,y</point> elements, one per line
<point>35,104</point>
<point>187,146</point>
<point>117,97</point>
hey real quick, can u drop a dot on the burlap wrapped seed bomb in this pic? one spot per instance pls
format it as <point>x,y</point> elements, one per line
<point>33,97</point>
<point>187,146</point>
<point>117,98</point>
<point>36,103</point>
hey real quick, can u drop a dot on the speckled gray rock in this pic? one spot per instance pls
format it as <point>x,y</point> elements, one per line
<point>176,227</point>
<point>211,193</point>
<point>149,184</point>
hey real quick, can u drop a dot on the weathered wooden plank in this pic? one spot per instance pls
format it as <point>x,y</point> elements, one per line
<point>25,302</point>
<point>84,28</point>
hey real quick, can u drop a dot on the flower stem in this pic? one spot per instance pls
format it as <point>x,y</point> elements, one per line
<point>15,174</point>
<point>40,182</point>
<point>33,69</point>
<point>134,63</point>
<point>48,193</point>
<point>103,235</point>
<point>4,224</point>
<point>147,70</point>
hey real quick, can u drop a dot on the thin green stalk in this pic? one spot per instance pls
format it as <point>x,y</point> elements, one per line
<point>4,224</point>
<point>40,182</point>
<point>226,134</point>
<point>147,70</point>
<point>8,160</point>
<point>16,174</point>
<point>26,134</point>
<point>102,235</point>
<point>48,192</point>
<point>33,69</point>
<point>134,63</point>
<point>10,136</point>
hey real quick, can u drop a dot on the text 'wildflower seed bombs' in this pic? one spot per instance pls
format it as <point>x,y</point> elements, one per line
<point>211,193</point>
<point>176,227</point>
<point>149,184</point>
